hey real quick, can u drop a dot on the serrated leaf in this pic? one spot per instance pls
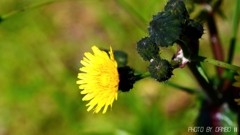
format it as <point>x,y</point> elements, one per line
<point>165,29</point>
<point>147,49</point>
<point>177,7</point>
<point>194,29</point>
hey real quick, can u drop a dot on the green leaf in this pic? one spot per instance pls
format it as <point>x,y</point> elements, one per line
<point>121,58</point>
<point>177,7</point>
<point>147,49</point>
<point>228,118</point>
<point>221,14</point>
<point>165,29</point>
<point>194,29</point>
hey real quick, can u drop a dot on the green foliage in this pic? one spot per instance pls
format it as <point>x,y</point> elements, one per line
<point>177,8</point>
<point>194,30</point>
<point>40,52</point>
<point>121,58</point>
<point>165,29</point>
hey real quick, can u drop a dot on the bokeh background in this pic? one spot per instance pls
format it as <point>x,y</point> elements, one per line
<point>40,50</point>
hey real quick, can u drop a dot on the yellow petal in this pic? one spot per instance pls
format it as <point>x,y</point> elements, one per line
<point>88,97</point>
<point>105,109</point>
<point>236,84</point>
<point>89,56</point>
<point>237,100</point>
<point>100,53</point>
<point>237,78</point>
<point>84,63</point>
<point>90,108</point>
<point>111,53</point>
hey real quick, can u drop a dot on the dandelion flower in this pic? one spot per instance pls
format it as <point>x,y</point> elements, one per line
<point>99,79</point>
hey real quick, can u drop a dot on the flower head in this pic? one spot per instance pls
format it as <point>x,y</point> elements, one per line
<point>99,79</point>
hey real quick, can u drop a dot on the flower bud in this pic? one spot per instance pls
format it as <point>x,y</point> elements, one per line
<point>160,69</point>
<point>147,49</point>
<point>127,78</point>
<point>177,7</point>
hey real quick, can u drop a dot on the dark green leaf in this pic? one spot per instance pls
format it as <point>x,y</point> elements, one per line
<point>177,7</point>
<point>165,29</point>
<point>147,49</point>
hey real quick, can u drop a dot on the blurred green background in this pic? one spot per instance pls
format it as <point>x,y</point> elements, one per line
<point>40,50</point>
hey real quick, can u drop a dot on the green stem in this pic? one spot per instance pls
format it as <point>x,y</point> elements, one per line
<point>234,31</point>
<point>215,62</point>
<point>236,18</point>
<point>202,72</point>
<point>188,90</point>
<point>146,74</point>
<point>32,6</point>
<point>210,94</point>
<point>215,42</point>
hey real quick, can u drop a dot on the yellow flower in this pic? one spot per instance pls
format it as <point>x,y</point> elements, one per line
<point>99,79</point>
<point>237,83</point>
